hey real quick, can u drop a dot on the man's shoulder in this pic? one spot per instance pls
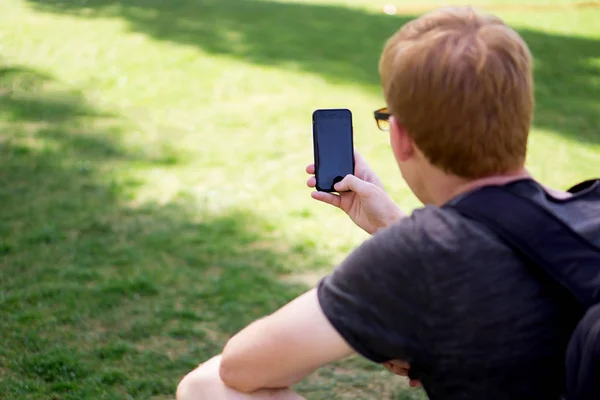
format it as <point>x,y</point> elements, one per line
<point>440,239</point>
<point>433,224</point>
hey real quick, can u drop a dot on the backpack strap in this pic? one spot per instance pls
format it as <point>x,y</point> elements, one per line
<point>585,185</point>
<point>536,233</point>
<point>544,240</point>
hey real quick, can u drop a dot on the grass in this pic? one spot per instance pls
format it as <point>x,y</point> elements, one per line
<point>152,191</point>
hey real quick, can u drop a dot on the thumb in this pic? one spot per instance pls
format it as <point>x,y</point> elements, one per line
<point>413,383</point>
<point>352,183</point>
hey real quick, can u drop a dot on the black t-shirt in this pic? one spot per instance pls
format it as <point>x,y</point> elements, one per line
<point>445,294</point>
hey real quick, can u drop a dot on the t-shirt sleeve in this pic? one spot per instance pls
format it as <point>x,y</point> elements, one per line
<point>377,298</point>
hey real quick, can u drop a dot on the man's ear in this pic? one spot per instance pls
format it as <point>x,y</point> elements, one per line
<point>401,143</point>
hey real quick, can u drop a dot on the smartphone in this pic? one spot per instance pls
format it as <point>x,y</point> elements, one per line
<point>333,147</point>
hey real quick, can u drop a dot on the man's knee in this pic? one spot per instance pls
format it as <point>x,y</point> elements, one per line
<point>201,383</point>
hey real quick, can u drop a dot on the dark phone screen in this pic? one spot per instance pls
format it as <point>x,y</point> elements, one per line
<point>334,149</point>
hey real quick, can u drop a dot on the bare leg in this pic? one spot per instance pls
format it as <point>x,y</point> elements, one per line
<point>204,383</point>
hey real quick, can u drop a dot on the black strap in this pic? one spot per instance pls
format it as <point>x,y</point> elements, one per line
<point>536,234</point>
<point>590,184</point>
<point>544,240</point>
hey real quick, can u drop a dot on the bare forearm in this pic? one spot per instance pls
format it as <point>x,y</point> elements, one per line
<point>390,215</point>
<point>283,348</point>
<point>250,362</point>
<point>396,214</point>
<point>246,369</point>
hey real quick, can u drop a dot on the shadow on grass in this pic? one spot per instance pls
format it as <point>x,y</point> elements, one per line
<point>343,45</point>
<point>19,101</point>
<point>99,298</point>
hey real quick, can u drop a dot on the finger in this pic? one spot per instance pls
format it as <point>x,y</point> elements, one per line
<point>310,169</point>
<point>413,383</point>
<point>352,183</point>
<point>311,182</point>
<point>400,371</point>
<point>328,198</point>
<point>388,366</point>
<point>400,363</point>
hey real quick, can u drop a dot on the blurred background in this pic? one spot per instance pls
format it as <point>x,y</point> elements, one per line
<point>152,184</point>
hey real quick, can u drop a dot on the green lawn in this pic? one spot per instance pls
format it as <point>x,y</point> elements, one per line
<point>152,197</point>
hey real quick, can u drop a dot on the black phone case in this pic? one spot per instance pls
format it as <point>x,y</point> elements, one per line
<point>316,150</point>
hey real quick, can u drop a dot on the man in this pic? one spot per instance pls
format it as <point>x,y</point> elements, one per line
<point>432,294</point>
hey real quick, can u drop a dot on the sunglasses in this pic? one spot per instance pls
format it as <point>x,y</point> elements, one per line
<point>382,117</point>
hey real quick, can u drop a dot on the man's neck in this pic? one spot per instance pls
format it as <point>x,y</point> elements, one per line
<point>452,187</point>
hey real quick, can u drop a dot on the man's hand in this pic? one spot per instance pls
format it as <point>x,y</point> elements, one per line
<point>362,196</point>
<point>401,368</point>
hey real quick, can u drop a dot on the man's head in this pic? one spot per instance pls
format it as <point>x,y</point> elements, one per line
<point>459,86</point>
